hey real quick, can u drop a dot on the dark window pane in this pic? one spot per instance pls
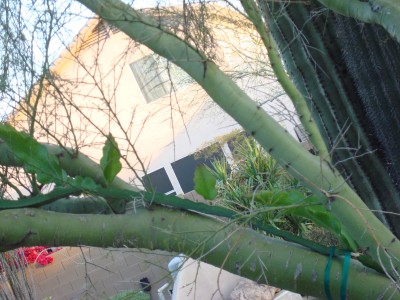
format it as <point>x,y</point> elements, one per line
<point>158,181</point>
<point>184,170</point>
<point>185,167</point>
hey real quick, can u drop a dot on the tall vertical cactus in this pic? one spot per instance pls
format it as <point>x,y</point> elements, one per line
<point>349,74</point>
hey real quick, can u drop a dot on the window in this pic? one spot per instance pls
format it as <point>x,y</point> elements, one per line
<point>153,74</point>
<point>159,182</point>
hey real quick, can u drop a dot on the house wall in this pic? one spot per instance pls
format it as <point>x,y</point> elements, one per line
<point>93,92</point>
<point>100,95</point>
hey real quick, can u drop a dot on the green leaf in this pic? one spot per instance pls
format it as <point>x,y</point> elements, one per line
<point>33,155</point>
<point>204,183</point>
<point>110,162</point>
<point>312,209</point>
<point>308,207</point>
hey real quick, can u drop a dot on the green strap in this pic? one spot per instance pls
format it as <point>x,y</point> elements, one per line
<point>345,275</point>
<point>40,200</point>
<point>327,274</point>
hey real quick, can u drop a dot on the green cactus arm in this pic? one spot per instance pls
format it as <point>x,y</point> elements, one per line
<point>123,193</point>
<point>383,12</point>
<point>296,97</point>
<point>228,246</point>
<point>55,201</point>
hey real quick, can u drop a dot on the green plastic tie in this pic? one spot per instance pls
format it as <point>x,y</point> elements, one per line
<point>345,275</point>
<point>328,272</point>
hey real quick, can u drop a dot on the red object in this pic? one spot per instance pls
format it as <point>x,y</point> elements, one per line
<point>30,255</point>
<point>38,254</point>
